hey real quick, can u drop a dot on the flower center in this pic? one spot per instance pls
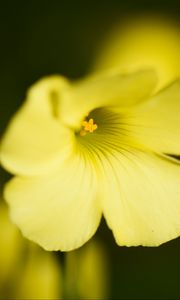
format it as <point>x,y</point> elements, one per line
<point>88,126</point>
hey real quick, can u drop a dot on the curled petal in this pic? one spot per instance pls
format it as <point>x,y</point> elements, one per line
<point>35,141</point>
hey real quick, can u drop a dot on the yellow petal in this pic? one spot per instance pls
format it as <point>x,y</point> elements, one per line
<point>59,212</point>
<point>93,276</point>
<point>40,276</point>
<point>11,246</point>
<point>102,90</point>
<point>35,141</point>
<point>141,201</point>
<point>148,41</point>
<point>156,122</point>
<point>87,272</point>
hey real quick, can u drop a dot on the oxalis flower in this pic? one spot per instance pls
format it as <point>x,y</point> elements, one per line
<point>96,146</point>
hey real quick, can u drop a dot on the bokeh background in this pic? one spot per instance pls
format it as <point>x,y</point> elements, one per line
<point>38,38</point>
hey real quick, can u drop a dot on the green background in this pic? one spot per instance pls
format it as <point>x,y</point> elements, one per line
<point>45,37</point>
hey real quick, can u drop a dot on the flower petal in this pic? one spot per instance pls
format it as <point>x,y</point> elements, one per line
<point>40,276</point>
<point>11,246</point>
<point>156,123</point>
<point>143,41</point>
<point>141,201</point>
<point>35,141</point>
<point>111,89</point>
<point>59,212</point>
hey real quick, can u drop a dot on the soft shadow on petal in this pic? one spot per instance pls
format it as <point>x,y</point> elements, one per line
<point>35,141</point>
<point>59,212</point>
<point>140,196</point>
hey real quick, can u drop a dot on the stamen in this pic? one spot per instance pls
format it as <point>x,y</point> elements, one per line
<point>89,126</point>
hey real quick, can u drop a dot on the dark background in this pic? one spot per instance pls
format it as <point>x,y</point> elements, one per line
<point>38,38</point>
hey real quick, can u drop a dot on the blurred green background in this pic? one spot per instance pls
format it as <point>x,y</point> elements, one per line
<point>46,37</point>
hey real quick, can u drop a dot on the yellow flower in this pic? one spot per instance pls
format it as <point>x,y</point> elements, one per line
<point>87,272</point>
<point>149,41</point>
<point>11,247</point>
<point>40,277</point>
<point>27,272</point>
<point>66,180</point>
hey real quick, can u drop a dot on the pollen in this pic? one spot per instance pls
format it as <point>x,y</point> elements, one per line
<point>88,126</point>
